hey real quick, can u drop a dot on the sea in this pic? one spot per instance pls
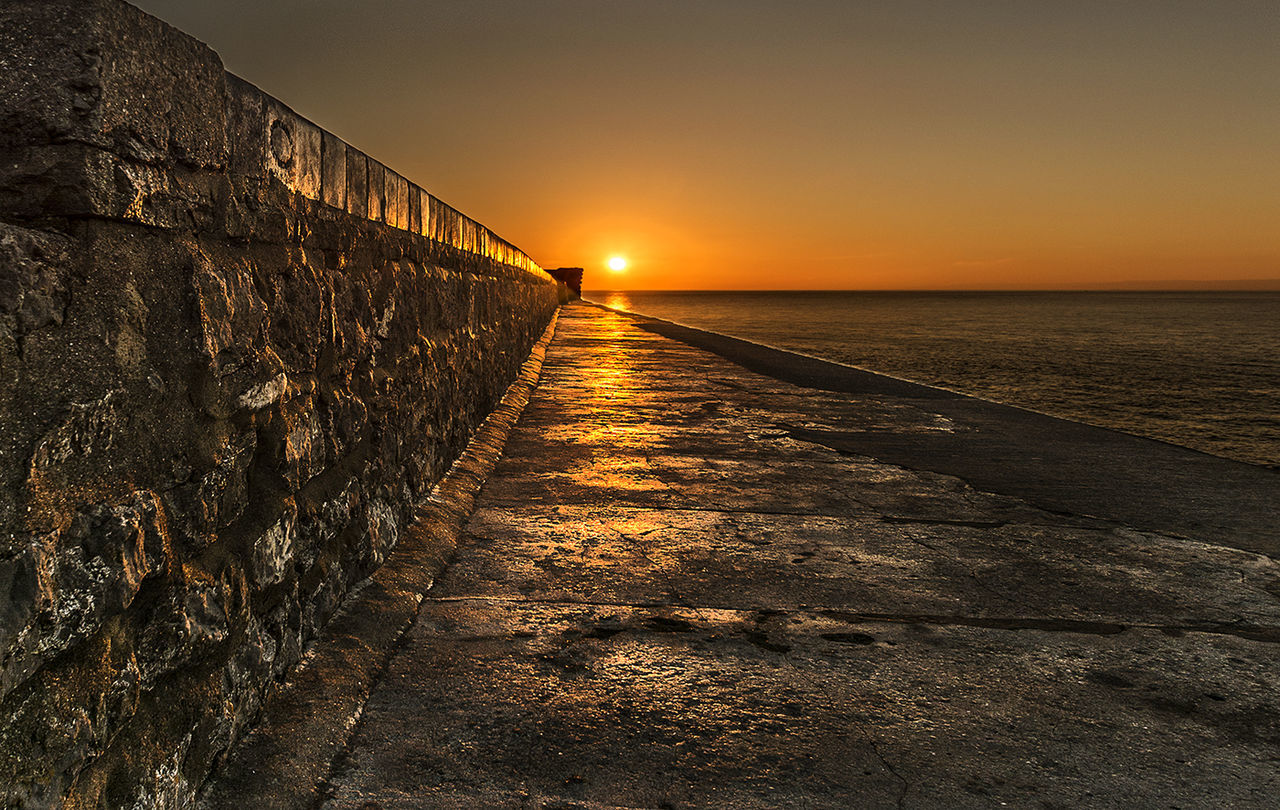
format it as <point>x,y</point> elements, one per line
<point>1197,369</point>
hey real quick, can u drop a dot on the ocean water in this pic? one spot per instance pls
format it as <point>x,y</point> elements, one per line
<point>1198,369</point>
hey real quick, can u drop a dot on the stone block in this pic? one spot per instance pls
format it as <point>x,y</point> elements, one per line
<point>35,288</point>
<point>308,154</point>
<point>432,224</point>
<point>52,180</point>
<point>333,172</point>
<point>377,191</point>
<point>200,509</point>
<point>104,73</point>
<point>402,202</point>
<point>50,82</point>
<point>62,586</point>
<point>231,314</point>
<point>470,233</point>
<point>452,227</point>
<point>414,224</point>
<point>357,183</point>
<point>99,105</point>
<point>382,530</point>
<point>247,128</point>
<point>389,198</point>
<point>444,225</point>
<point>294,150</point>
<point>304,444</point>
<point>396,200</point>
<point>274,550</point>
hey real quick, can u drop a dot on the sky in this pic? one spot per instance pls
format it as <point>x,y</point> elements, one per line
<point>810,144</point>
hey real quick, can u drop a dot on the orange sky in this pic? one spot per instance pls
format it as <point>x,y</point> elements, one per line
<point>739,144</point>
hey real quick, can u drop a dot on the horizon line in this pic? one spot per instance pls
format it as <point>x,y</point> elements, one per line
<point>1266,286</point>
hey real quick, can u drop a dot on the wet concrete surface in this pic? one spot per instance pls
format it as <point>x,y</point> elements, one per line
<point>1055,463</point>
<point>674,592</point>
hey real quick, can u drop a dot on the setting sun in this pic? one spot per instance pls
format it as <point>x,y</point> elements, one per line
<point>617,264</point>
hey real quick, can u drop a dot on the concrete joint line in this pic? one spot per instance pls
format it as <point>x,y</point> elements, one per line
<point>1046,624</point>
<point>306,723</point>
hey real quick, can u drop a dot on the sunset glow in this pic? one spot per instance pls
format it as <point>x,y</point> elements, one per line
<point>831,145</point>
<point>617,264</point>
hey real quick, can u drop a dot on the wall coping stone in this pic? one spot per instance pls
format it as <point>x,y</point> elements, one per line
<point>99,100</point>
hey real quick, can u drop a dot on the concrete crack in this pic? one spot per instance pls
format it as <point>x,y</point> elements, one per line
<point>902,793</point>
<point>861,729</point>
<point>649,461</point>
<point>1260,633</point>
<point>638,548</point>
<point>973,524</point>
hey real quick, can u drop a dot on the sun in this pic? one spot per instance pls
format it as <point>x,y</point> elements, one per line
<point>617,264</point>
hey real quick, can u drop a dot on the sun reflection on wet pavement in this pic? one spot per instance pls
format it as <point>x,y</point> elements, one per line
<point>618,300</point>
<point>667,600</point>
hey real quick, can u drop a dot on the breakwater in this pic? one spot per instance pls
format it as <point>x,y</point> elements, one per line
<point>1195,368</point>
<point>709,573</point>
<point>235,354</point>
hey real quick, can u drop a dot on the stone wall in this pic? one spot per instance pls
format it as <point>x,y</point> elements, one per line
<point>234,353</point>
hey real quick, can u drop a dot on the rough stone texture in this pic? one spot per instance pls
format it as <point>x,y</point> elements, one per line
<point>282,764</point>
<point>224,390</point>
<point>674,593</point>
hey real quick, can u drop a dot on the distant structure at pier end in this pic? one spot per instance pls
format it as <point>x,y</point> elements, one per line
<point>571,277</point>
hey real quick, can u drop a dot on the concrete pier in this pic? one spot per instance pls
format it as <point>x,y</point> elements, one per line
<point>674,593</point>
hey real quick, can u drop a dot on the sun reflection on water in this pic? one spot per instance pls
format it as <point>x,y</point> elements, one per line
<point>618,300</point>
